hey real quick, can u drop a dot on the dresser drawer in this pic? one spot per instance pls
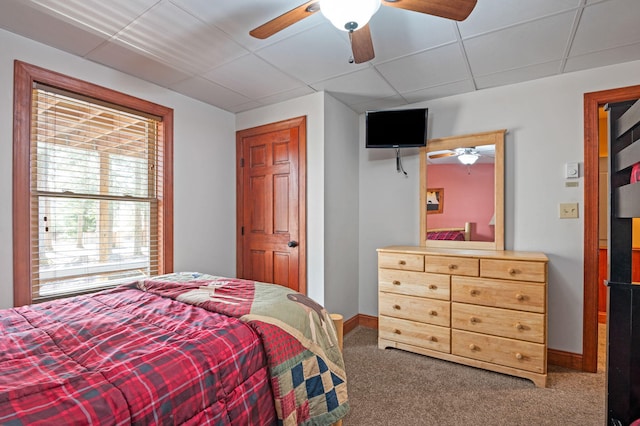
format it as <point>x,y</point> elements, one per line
<point>451,265</point>
<point>407,262</point>
<point>414,283</point>
<point>514,270</point>
<point>419,309</point>
<point>499,350</point>
<point>414,333</point>
<point>499,322</point>
<point>499,293</point>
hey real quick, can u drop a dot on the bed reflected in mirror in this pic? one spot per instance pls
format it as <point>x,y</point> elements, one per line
<point>468,172</point>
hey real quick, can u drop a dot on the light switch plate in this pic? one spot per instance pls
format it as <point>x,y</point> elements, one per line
<point>568,210</point>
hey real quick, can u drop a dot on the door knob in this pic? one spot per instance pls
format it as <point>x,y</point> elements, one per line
<point>292,244</point>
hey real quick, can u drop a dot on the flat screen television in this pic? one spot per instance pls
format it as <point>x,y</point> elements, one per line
<point>400,128</point>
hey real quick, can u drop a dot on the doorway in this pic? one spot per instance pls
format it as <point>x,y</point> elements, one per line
<point>271,203</point>
<point>592,102</point>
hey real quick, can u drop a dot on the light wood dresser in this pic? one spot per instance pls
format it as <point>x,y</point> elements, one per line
<point>482,308</point>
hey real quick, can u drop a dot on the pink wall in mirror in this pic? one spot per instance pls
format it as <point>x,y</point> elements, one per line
<point>468,197</point>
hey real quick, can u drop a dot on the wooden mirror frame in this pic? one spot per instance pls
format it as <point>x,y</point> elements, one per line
<point>472,140</point>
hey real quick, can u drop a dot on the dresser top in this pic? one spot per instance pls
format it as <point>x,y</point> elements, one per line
<point>485,254</point>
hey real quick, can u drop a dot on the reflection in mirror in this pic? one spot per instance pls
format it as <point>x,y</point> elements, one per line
<point>468,173</point>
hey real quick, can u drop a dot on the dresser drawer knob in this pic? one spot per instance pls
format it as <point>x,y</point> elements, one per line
<point>402,262</point>
<point>433,287</point>
<point>474,292</point>
<point>431,339</point>
<point>473,320</point>
<point>512,271</point>
<point>397,307</point>
<point>396,331</point>
<point>519,326</point>
<point>519,355</point>
<point>520,297</point>
<point>433,313</point>
<point>396,282</point>
<point>453,266</point>
<point>473,347</point>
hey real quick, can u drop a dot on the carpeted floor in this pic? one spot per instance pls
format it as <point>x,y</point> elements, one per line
<point>393,387</point>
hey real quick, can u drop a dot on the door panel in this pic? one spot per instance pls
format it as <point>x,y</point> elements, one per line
<point>271,208</point>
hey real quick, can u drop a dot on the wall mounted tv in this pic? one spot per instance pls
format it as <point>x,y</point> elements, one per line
<point>400,128</point>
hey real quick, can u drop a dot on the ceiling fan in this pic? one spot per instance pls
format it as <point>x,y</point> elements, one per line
<point>353,16</point>
<point>466,156</point>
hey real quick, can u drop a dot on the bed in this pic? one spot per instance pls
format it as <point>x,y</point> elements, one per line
<point>183,348</point>
<point>450,234</point>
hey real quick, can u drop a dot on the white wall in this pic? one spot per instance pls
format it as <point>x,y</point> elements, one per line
<point>204,143</point>
<point>545,124</point>
<point>341,208</point>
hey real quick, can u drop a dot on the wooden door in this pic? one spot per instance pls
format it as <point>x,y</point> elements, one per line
<point>271,213</point>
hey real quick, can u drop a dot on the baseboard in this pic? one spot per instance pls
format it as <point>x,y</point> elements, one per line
<point>564,359</point>
<point>360,319</point>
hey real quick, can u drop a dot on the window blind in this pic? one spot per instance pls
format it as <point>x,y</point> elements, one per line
<point>96,191</point>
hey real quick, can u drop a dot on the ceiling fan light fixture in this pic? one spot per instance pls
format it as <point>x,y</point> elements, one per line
<point>349,15</point>
<point>468,158</point>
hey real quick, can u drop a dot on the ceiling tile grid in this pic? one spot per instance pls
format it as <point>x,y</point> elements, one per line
<point>203,49</point>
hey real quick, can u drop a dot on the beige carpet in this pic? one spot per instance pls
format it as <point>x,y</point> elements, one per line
<point>393,387</point>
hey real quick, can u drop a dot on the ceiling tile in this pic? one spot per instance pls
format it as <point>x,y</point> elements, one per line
<point>441,91</point>
<point>607,25</point>
<point>536,42</point>
<point>245,107</point>
<point>518,75</point>
<point>490,15</point>
<point>431,68</point>
<point>127,60</point>
<point>252,77</point>
<point>357,87</point>
<point>603,58</point>
<point>379,104</point>
<point>398,32</point>
<point>313,55</point>
<point>21,18</point>
<point>107,17</point>
<point>209,92</point>
<point>285,96</point>
<point>170,33</point>
<point>237,18</point>
<point>202,48</point>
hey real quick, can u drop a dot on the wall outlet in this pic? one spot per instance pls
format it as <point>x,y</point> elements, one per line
<point>568,210</point>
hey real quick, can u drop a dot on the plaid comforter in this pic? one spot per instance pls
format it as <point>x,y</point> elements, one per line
<point>305,363</point>
<point>127,356</point>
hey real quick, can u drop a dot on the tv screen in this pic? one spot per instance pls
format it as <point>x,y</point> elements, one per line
<point>402,128</point>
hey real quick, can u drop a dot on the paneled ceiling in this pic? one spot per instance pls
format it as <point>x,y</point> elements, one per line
<point>202,48</point>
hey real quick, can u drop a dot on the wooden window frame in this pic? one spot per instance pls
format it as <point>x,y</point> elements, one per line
<point>25,75</point>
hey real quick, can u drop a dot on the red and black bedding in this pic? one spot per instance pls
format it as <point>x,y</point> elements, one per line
<point>449,235</point>
<point>178,349</point>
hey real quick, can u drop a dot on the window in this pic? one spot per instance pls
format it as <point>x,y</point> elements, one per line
<point>92,187</point>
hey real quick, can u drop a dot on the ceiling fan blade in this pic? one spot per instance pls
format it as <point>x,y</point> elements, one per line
<point>445,154</point>
<point>362,45</point>
<point>457,10</point>
<point>286,19</point>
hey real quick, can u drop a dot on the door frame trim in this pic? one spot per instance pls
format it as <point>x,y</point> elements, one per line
<point>592,101</point>
<point>301,124</point>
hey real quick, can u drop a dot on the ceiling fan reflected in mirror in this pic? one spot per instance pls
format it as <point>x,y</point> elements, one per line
<point>466,156</point>
<point>354,15</point>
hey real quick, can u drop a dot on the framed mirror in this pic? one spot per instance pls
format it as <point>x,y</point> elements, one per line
<point>468,173</point>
